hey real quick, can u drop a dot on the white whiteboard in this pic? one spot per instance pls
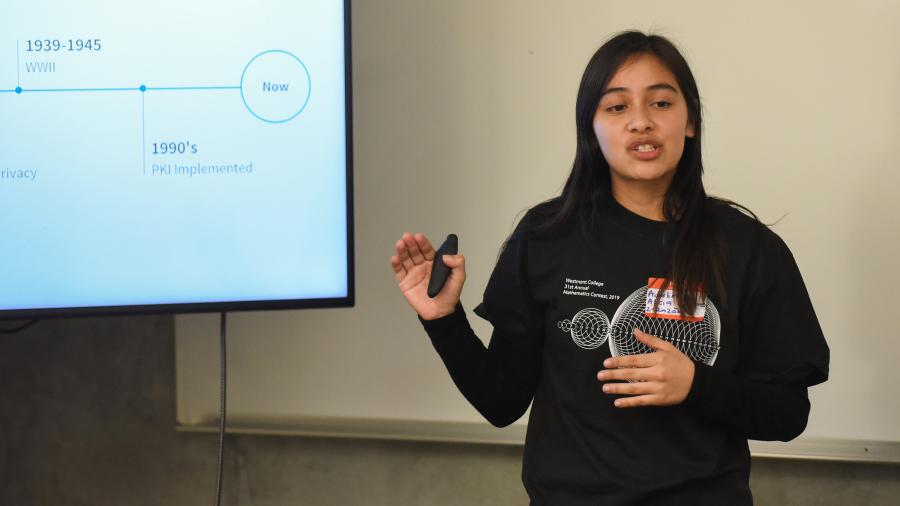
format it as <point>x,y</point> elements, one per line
<point>464,116</point>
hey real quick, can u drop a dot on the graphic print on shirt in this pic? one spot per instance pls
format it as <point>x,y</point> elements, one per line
<point>696,335</point>
<point>589,327</point>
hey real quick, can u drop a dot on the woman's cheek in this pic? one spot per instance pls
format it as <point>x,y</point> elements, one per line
<point>602,139</point>
<point>608,153</point>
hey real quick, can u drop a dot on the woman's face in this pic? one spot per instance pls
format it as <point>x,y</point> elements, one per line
<point>641,122</point>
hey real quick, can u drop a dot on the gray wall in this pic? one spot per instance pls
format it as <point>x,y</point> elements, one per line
<point>87,417</point>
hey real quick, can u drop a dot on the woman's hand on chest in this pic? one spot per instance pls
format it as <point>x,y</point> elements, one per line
<point>660,378</point>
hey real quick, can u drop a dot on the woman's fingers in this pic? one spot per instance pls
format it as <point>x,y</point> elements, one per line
<point>628,374</point>
<point>403,254</point>
<point>640,400</point>
<point>412,250</point>
<point>640,360</point>
<point>653,342</point>
<point>399,270</point>
<point>644,387</point>
<point>415,254</point>
<point>425,246</point>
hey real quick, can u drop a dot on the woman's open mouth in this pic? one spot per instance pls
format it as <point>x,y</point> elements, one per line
<point>645,151</point>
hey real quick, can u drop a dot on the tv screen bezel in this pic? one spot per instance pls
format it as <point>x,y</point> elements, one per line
<point>254,305</point>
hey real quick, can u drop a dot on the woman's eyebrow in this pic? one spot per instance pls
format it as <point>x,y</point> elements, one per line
<point>652,87</point>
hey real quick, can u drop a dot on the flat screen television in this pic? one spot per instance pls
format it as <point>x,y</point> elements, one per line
<point>174,156</point>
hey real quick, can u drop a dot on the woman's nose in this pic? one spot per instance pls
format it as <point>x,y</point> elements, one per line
<point>640,121</point>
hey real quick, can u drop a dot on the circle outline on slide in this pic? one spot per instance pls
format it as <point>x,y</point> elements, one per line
<point>308,82</point>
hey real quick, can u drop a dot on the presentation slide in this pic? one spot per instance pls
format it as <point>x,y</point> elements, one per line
<point>172,152</point>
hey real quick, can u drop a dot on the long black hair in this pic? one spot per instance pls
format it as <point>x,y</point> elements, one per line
<point>695,249</point>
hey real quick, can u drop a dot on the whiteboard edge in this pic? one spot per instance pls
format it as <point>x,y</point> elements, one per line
<point>371,428</point>
<point>819,449</point>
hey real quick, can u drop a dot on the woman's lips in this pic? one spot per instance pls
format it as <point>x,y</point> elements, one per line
<point>646,155</point>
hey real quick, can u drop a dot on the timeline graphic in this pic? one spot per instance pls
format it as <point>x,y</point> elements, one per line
<point>188,150</point>
<point>275,86</point>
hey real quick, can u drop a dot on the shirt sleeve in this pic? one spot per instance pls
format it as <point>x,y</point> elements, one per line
<point>507,302</point>
<point>783,352</point>
<point>781,340</point>
<point>499,380</point>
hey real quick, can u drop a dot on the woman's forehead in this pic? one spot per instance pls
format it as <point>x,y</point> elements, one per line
<point>642,72</point>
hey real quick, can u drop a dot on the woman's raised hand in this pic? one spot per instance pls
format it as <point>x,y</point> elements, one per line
<point>412,268</point>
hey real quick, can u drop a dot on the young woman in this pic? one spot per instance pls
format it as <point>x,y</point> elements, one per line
<point>656,329</point>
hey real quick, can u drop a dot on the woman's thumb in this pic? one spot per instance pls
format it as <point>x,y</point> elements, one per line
<point>454,261</point>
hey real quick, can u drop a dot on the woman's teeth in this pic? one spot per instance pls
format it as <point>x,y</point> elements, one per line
<point>645,148</point>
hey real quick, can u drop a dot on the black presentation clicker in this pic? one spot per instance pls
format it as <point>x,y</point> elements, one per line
<point>439,271</point>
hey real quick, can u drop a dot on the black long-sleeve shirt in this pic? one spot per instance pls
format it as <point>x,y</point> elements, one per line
<point>560,305</point>
<point>500,380</point>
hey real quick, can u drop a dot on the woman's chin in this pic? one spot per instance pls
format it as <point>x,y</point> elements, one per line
<point>644,176</point>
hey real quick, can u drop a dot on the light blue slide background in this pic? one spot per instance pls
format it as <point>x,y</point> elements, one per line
<point>97,228</point>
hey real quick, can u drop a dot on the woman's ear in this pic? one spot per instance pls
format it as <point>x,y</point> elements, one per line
<point>689,131</point>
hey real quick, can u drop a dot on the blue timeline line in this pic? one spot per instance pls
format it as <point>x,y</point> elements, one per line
<point>56,90</point>
<point>140,88</point>
<point>194,88</point>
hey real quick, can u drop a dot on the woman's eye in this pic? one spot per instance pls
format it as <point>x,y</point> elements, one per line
<point>662,104</point>
<point>616,108</point>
